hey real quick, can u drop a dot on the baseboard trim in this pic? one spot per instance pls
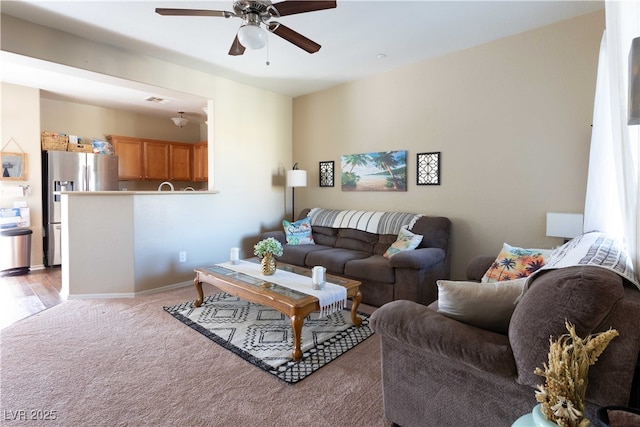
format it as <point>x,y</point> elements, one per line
<point>130,294</point>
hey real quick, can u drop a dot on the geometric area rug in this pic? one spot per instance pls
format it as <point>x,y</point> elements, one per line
<point>263,336</point>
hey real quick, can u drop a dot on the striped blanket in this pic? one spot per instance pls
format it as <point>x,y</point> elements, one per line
<point>372,222</point>
<point>596,249</point>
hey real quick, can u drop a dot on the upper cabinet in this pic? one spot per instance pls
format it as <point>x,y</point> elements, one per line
<point>148,159</point>
<point>200,162</point>
<point>155,159</point>
<point>129,151</point>
<point>181,160</point>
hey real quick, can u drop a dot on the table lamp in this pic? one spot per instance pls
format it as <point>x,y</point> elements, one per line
<point>565,225</point>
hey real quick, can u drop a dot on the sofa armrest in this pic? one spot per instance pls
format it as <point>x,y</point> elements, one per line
<point>426,330</point>
<point>278,235</point>
<point>422,258</point>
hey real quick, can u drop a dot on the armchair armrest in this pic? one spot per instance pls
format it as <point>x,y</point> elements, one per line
<point>478,266</point>
<point>422,258</point>
<point>278,235</point>
<point>423,328</point>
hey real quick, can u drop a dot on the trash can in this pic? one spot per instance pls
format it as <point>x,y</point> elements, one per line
<point>15,251</point>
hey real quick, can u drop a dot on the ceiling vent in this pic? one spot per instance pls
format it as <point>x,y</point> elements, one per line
<point>156,100</point>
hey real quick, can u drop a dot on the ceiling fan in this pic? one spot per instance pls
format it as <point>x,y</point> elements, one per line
<point>254,13</point>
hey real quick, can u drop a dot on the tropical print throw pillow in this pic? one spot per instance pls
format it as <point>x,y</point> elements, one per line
<point>515,263</point>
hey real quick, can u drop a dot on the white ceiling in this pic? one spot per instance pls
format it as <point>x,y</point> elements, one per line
<point>353,36</point>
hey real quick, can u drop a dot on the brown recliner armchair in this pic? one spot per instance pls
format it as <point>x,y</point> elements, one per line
<point>437,371</point>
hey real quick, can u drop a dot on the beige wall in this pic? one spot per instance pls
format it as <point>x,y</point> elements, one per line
<point>90,121</point>
<point>511,119</point>
<point>20,123</point>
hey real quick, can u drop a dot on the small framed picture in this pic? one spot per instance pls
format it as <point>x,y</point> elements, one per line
<point>428,168</point>
<point>326,174</point>
<point>14,166</point>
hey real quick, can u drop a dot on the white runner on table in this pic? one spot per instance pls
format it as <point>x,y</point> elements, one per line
<point>331,299</point>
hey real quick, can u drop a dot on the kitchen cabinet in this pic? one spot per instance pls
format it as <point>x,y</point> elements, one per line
<point>151,159</point>
<point>200,162</point>
<point>155,160</point>
<point>129,151</point>
<point>180,161</point>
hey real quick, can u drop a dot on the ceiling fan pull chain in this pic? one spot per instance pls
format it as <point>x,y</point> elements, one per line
<point>268,63</point>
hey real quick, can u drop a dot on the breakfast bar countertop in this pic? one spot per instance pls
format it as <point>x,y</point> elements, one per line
<point>135,193</point>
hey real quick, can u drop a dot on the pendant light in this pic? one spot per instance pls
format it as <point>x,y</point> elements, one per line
<point>180,121</point>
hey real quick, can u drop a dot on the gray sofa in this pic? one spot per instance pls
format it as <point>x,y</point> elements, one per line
<point>437,371</point>
<point>356,254</point>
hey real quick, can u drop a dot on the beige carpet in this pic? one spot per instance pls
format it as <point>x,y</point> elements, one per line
<point>126,362</point>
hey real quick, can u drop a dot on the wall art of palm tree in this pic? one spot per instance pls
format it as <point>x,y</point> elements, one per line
<point>377,171</point>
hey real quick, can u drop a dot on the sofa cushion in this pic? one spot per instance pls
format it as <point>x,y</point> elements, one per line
<point>513,262</point>
<point>406,241</point>
<point>354,244</point>
<point>297,254</point>
<point>364,236</point>
<point>356,240</point>
<point>323,239</point>
<point>583,296</point>
<point>334,259</point>
<point>485,305</point>
<point>326,236</point>
<point>325,231</point>
<point>374,268</point>
<point>299,232</point>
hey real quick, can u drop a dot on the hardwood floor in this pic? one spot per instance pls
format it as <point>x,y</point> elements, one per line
<point>22,296</point>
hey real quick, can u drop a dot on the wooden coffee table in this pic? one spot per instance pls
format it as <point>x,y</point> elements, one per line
<point>296,305</point>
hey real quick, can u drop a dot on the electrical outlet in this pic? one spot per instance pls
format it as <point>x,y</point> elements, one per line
<point>183,256</point>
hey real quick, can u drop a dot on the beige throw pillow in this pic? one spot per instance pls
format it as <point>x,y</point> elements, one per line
<point>406,241</point>
<point>485,305</point>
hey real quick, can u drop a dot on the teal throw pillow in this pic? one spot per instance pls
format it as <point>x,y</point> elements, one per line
<point>299,232</point>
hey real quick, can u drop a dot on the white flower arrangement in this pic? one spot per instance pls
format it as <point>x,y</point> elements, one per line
<point>268,246</point>
<point>562,395</point>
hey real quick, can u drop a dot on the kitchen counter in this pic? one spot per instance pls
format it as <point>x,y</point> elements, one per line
<point>125,243</point>
<point>134,193</point>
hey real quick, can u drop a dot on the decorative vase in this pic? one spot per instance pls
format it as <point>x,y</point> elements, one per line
<point>534,419</point>
<point>268,264</point>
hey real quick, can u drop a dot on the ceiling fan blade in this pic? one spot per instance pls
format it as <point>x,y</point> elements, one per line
<point>236,47</point>
<point>293,37</point>
<point>292,7</point>
<point>194,12</point>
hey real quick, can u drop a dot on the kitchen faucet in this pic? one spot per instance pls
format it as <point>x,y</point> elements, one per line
<point>165,183</point>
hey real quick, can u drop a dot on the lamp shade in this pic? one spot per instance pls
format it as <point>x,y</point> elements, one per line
<point>296,178</point>
<point>565,225</point>
<point>252,36</point>
<point>180,121</point>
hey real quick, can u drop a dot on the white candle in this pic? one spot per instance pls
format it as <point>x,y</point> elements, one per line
<point>317,277</point>
<point>235,255</point>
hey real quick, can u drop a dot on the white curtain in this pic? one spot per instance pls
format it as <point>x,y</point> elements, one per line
<point>612,202</point>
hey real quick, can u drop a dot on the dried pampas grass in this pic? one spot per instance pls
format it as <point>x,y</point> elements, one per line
<point>562,395</point>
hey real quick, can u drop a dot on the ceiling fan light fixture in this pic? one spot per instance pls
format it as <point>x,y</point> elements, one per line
<point>252,36</point>
<point>180,121</point>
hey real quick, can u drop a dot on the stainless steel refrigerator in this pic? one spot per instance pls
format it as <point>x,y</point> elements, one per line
<point>70,171</point>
